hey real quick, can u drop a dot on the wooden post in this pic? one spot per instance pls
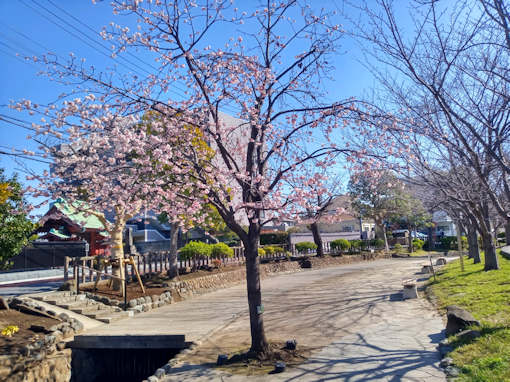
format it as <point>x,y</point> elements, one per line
<point>459,246</point>
<point>66,268</point>
<point>83,263</point>
<point>149,258</point>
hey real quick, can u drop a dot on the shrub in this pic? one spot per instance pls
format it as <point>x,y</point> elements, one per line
<point>278,249</point>
<point>305,246</point>
<point>418,244</point>
<point>356,244</point>
<point>340,245</point>
<point>261,251</point>
<point>194,249</point>
<point>398,248</point>
<point>221,249</point>
<point>274,238</point>
<point>450,242</point>
<point>502,235</point>
<point>269,249</point>
<point>377,243</point>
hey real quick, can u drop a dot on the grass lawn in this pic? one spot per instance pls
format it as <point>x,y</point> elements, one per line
<point>487,296</point>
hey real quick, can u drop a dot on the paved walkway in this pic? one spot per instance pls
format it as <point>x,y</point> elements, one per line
<point>353,315</point>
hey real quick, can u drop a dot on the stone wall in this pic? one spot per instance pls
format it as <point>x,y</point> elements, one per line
<point>181,290</point>
<point>52,368</point>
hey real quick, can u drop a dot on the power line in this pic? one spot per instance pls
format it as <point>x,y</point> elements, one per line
<point>97,33</point>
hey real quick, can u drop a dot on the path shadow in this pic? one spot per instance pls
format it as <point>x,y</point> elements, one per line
<point>374,363</point>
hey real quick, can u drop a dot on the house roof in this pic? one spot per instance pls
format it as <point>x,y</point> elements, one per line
<point>75,213</point>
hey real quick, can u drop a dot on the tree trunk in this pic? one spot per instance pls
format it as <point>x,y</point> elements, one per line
<point>410,241</point>
<point>491,258</point>
<point>173,270</point>
<point>314,227</point>
<point>380,233</point>
<point>386,245</point>
<point>117,253</point>
<point>259,343</point>
<point>474,252</point>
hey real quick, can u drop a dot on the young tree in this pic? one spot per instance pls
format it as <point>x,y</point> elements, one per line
<point>115,165</point>
<point>377,196</point>
<point>15,228</point>
<point>271,73</point>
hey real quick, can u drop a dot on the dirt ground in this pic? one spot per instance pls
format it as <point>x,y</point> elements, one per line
<point>156,284</point>
<point>240,363</point>
<point>11,345</point>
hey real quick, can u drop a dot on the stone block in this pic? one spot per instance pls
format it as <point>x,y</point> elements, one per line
<point>458,319</point>
<point>441,261</point>
<point>410,291</point>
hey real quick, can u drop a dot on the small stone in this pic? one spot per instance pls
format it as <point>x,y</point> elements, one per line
<point>64,316</point>
<point>52,328</point>
<point>61,346</point>
<point>114,302</point>
<point>39,355</point>
<point>25,350</point>
<point>279,367</point>
<point>51,313</point>
<point>468,335</point>
<point>50,339</point>
<point>155,298</point>
<point>105,300</point>
<point>51,349</point>
<point>148,299</point>
<point>132,303</point>
<point>152,379</point>
<point>291,345</point>
<point>41,308</point>
<point>145,307</point>
<point>445,362</point>
<point>140,300</point>
<point>37,328</point>
<point>452,371</point>
<point>159,373</point>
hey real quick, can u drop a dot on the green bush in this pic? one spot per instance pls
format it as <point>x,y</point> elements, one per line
<point>502,235</point>
<point>261,251</point>
<point>274,238</point>
<point>195,249</point>
<point>221,249</point>
<point>377,243</point>
<point>278,249</point>
<point>418,244</point>
<point>450,242</point>
<point>269,249</point>
<point>398,248</point>
<point>356,245</point>
<point>340,245</point>
<point>305,246</point>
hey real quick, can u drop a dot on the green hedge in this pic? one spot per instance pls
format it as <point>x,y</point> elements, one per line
<point>341,245</point>
<point>305,246</point>
<point>195,249</point>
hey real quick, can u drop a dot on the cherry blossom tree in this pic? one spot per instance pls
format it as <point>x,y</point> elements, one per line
<point>270,72</point>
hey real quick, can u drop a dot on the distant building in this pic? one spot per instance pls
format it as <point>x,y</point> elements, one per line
<point>444,225</point>
<point>66,222</point>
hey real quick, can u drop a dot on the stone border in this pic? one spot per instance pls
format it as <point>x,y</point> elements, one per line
<point>183,290</point>
<point>58,332</point>
<point>52,344</point>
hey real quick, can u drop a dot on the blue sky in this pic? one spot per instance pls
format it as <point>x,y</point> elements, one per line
<point>33,27</point>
